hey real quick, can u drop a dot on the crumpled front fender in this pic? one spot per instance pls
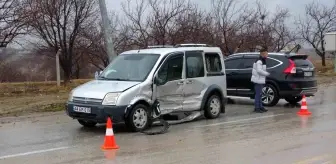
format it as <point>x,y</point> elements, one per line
<point>144,98</point>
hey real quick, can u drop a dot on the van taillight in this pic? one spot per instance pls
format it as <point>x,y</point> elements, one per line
<point>291,68</point>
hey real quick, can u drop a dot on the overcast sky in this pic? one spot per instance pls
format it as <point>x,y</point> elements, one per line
<point>295,6</point>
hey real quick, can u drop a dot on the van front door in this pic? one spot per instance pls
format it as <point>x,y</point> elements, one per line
<point>170,83</point>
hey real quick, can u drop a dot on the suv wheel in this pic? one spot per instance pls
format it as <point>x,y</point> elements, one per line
<point>270,96</point>
<point>138,119</point>
<point>293,99</point>
<point>213,107</point>
<point>87,123</point>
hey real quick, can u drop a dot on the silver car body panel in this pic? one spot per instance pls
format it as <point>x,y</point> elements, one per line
<point>175,96</point>
<point>97,89</point>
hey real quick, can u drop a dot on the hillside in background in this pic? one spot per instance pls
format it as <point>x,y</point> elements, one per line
<point>312,54</point>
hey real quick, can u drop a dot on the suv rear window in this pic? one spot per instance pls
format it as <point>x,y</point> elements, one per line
<point>303,63</point>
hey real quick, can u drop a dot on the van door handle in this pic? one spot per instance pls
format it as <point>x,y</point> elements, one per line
<point>189,82</point>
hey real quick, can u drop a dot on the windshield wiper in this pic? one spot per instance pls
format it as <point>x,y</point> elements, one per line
<point>102,78</point>
<point>115,79</point>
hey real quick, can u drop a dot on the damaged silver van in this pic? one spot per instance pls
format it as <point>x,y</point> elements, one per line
<point>183,79</point>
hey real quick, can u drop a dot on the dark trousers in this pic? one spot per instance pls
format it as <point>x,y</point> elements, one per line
<point>257,97</point>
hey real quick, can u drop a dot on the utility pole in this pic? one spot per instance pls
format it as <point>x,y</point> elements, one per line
<point>58,75</point>
<point>107,30</point>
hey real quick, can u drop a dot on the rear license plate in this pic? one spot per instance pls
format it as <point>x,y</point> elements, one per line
<point>82,109</point>
<point>308,73</point>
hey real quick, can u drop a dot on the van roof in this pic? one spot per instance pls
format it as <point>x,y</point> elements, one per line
<point>165,51</point>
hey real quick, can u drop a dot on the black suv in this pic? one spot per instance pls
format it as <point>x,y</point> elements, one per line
<point>291,77</point>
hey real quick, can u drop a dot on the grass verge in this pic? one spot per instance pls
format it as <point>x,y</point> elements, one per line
<point>33,88</point>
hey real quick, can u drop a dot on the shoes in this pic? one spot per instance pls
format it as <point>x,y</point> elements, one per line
<point>259,111</point>
<point>264,109</point>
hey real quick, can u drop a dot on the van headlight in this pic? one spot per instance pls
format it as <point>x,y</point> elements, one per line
<point>70,98</point>
<point>111,99</point>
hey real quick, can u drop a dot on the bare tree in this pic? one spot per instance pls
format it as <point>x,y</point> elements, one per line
<point>319,20</point>
<point>163,15</point>
<point>58,23</point>
<point>10,25</point>
<point>193,26</point>
<point>152,21</point>
<point>272,28</point>
<point>92,41</point>
<point>138,22</point>
<point>231,17</point>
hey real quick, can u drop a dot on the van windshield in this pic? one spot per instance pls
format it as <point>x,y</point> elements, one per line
<point>130,67</point>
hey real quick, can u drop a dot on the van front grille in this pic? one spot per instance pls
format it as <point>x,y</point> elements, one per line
<point>84,100</point>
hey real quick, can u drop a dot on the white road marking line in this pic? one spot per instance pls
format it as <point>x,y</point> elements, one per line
<point>33,152</point>
<point>241,120</point>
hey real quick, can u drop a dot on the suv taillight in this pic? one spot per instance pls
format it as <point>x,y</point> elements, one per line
<point>291,69</point>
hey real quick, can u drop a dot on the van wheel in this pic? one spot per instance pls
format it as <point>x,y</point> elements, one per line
<point>269,96</point>
<point>139,118</point>
<point>88,124</point>
<point>213,107</point>
<point>293,99</point>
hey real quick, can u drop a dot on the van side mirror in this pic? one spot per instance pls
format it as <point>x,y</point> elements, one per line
<point>159,81</point>
<point>97,73</point>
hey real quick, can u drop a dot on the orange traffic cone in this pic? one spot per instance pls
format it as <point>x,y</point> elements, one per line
<point>304,109</point>
<point>109,141</point>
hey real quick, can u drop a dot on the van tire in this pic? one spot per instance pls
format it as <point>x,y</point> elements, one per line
<point>88,124</point>
<point>138,112</point>
<point>213,107</point>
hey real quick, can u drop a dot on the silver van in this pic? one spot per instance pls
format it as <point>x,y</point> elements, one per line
<point>184,78</point>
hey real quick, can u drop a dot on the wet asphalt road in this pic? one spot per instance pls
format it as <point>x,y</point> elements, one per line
<point>239,136</point>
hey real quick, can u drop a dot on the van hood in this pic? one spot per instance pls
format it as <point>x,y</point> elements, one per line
<point>97,89</point>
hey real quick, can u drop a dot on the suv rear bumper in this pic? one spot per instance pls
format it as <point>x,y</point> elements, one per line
<point>99,113</point>
<point>299,92</point>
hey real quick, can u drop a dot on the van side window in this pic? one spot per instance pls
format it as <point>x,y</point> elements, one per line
<point>172,69</point>
<point>213,62</point>
<point>195,65</point>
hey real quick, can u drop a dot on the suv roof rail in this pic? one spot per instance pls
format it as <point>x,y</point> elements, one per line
<point>192,45</point>
<point>160,46</point>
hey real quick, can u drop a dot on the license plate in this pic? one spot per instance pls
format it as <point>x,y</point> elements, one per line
<point>308,73</point>
<point>82,109</point>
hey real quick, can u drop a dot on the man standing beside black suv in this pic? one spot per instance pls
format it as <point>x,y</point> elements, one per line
<point>259,75</point>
